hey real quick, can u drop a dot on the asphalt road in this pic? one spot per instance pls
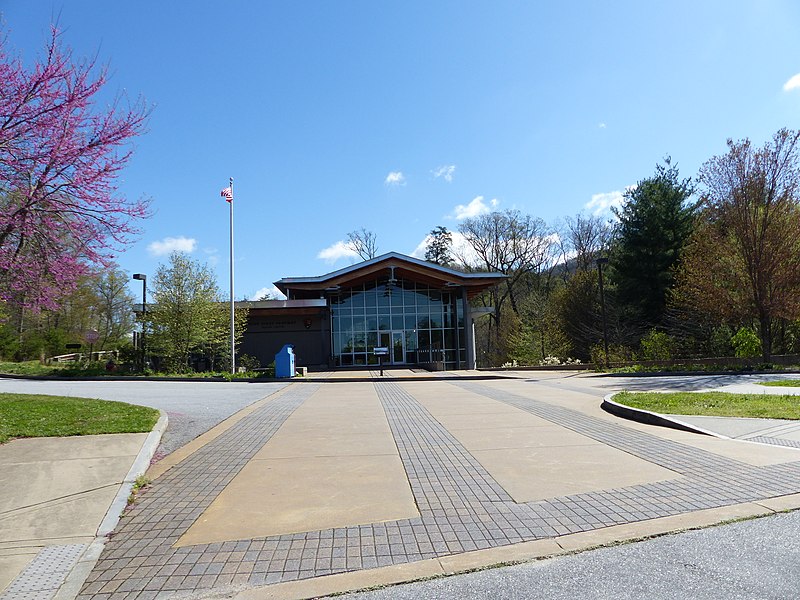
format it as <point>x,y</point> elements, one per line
<point>756,559</point>
<point>192,408</point>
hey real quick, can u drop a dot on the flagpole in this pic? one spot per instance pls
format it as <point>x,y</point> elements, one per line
<point>233,335</point>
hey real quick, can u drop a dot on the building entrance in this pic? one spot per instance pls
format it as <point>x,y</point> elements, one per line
<point>396,342</point>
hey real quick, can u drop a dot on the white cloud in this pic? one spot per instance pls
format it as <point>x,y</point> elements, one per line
<point>340,249</point>
<point>792,84</point>
<point>475,208</point>
<point>395,178</point>
<point>602,125</point>
<point>212,256</point>
<point>446,172</point>
<point>419,251</point>
<point>602,203</point>
<point>271,291</point>
<point>172,244</point>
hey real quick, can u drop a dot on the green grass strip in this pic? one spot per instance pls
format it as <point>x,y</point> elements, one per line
<point>782,383</point>
<point>30,415</point>
<point>714,404</point>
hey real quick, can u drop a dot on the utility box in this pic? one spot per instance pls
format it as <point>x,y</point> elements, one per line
<point>284,361</point>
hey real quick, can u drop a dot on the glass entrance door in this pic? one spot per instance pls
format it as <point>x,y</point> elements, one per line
<point>396,342</point>
<point>398,347</point>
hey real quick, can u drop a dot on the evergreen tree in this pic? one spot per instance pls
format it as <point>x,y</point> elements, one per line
<point>654,224</point>
<point>440,241</point>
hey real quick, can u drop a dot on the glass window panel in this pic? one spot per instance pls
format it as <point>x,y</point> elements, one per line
<point>345,324</point>
<point>384,322</point>
<point>436,319</point>
<point>372,323</point>
<point>449,339</point>
<point>383,297</point>
<point>347,360</point>
<point>337,344</point>
<point>372,359</point>
<point>358,323</point>
<point>411,340</point>
<point>410,321</point>
<point>360,343</point>
<point>437,339</point>
<point>358,300</point>
<point>359,359</point>
<point>372,340</point>
<point>424,337</point>
<point>397,309</point>
<point>397,322</point>
<point>347,342</point>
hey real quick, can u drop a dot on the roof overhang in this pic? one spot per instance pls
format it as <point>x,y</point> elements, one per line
<point>403,267</point>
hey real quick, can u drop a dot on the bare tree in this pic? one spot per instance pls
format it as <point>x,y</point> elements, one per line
<point>511,243</point>
<point>743,260</point>
<point>583,239</point>
<point>364,243</point>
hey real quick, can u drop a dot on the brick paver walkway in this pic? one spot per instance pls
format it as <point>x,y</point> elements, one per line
<point>461,506</point>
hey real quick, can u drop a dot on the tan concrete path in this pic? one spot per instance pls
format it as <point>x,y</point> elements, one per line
<point>332,464</point>
<point>325,487</point>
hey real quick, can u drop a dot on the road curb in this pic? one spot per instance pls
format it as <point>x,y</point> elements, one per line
<point>652,418</point>
<point>85,563</point>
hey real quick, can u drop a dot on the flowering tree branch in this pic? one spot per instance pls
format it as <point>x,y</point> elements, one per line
<point>60,157</point>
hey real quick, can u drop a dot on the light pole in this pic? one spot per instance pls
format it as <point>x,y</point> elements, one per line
<point>143,278</point>
<point>600,263</point>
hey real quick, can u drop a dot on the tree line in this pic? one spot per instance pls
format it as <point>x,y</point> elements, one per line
<point>696,266</point>
<point>693,267</point>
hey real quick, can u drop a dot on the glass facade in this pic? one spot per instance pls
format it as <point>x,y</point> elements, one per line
<point>418,323</point>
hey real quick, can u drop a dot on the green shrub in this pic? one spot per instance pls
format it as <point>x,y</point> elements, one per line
<point>746,343</point>
<point>657,345</point>
<point>249,363</point>
<point>720,341</point>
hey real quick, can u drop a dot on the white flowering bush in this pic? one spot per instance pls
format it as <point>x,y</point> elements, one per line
<point>554,361</point>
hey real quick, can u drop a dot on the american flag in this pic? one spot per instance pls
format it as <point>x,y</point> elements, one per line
<point>227,193</point>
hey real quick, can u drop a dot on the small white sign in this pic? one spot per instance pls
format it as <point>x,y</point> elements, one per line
<point>381,351</point>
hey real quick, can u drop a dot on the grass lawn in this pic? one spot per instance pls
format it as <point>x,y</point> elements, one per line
<point>715,404</point>
<point>782,383</point>
<point>32,415</point>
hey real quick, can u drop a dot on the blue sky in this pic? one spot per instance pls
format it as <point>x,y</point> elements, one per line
<point>401,116</point>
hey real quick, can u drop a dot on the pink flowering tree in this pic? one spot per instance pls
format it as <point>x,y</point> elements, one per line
<point>60,157</point>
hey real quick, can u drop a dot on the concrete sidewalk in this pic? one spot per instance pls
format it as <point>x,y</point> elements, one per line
<point>59,498</point>
<point>778,432</point>
<point>327,487</point>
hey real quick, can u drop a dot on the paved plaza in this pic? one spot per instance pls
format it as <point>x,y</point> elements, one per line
<point>338,483</point>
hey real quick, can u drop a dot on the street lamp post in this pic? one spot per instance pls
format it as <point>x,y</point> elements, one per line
<point>143,278</point>
<point>600,263</point>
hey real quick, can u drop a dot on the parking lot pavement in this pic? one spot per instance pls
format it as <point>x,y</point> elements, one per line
<point>192,408</point>
<point>471,454</point>
<point>745,560</point>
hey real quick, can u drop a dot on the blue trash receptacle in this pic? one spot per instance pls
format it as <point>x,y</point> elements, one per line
<point>284,361</point>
